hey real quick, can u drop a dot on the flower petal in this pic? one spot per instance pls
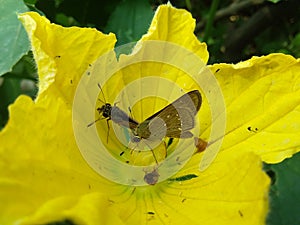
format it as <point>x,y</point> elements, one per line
<point>43,175</point>
<point>176,26</point>
<point>63,54</point>
<point>88,209</point>
<point>224,194</point>
<point>38,162</point>
<point>262,98</point>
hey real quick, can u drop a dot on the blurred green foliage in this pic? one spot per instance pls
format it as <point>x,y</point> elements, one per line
<point>284,193</point>
<point>234,31</point>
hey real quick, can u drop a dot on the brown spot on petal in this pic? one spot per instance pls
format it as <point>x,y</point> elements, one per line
<point>200,145</point>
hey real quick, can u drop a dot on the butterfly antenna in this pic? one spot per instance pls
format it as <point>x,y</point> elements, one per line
<point>92,123</point>
<point>101,101</point>
<point>102,94</point>
<point>130,111</point>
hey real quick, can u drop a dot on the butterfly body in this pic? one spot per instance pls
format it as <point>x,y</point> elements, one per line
<point>117,115</point>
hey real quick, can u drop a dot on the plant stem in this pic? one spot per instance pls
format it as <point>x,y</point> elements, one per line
<point>210,21</point>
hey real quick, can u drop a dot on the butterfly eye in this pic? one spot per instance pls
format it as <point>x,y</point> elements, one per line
<point>100,109</point>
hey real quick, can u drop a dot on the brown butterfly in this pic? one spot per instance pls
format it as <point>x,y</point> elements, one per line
<point>174,121</point>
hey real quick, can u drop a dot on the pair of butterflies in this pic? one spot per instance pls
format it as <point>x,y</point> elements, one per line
<point>173,121</point>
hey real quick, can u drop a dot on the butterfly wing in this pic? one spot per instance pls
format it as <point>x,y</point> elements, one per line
<point>122,119</point>
<point>175,120</point>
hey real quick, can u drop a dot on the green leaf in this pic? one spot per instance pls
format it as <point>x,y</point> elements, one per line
<point>32,7</point>
<point>9,91</point>
<point>21,80</point>
<point>130,20</point>
<point>13,37</point>
<point>296,40</point>
<point>184,178</point>
<point>31,2</point>
<point>274,1</point>
<point>295,45</point>
<point>285,193</point>
<point>66,21</point>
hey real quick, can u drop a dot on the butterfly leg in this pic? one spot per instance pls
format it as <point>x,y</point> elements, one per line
<point>108,128</point>
<point>152,153</point>
<point>166,154</point>
<point>154,156</point>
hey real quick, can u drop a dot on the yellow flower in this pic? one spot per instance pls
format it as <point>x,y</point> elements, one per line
<point>44,178</point>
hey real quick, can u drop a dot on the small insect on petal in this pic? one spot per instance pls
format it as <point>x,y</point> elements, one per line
<point>114,113</point>
<point>200,145</point>
<point>152,177</point>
